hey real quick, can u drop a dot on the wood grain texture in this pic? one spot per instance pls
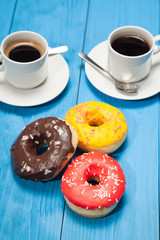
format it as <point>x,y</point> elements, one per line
<point>136,216</point>
<point>7,11</point>
<point>158,160</point>
<point>34,210</point>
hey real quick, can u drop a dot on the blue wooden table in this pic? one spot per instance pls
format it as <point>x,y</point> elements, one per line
<point>30,210</point>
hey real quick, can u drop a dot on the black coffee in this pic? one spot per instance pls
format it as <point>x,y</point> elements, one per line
<point>24,50</point>
<point>130,45</point>
<point>24,53</point>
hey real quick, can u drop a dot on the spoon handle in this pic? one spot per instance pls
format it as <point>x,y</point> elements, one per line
<point>90,61</point>
<point>126,87</point>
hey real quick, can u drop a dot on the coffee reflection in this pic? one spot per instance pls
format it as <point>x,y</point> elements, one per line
<point>24,51</point>
<point>130,45</point>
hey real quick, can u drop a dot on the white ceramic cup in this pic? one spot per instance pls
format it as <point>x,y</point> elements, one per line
<point>131,68</point>
<point>24,75</point>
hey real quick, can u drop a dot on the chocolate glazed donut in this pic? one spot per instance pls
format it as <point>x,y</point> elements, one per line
<point>60,139</point>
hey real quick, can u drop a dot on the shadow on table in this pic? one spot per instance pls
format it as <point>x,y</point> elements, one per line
<point>38,186</point>
<point>97,223</point>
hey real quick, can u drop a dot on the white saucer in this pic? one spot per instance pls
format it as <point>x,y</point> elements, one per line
<point>147,87</point>
<point>58,76</point>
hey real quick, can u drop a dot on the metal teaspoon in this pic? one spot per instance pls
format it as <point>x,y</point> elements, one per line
<point>126,87</point>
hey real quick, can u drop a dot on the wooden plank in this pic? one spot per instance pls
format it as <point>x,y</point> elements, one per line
<point>7,10</point>
<point>34,210</point>
<point>159,161</point>
<point>135,216</point>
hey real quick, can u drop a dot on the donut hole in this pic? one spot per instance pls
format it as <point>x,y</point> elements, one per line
<point>42,148</point>
<point>93,180</point>
<point>95,123</point>
<point>94,118</point>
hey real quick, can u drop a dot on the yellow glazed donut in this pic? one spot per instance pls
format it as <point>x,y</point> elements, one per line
<point>100,126</point>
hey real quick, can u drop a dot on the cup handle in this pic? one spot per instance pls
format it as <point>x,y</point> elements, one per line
<point>1,63</point>
<point>57,50</point>
<point>157,48</point>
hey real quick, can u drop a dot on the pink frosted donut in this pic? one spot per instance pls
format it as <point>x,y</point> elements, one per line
<point>93,184</point>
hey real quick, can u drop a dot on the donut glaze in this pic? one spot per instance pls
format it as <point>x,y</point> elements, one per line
<point>25,161</point>
<point>100,126</point>
<point>107,172</point>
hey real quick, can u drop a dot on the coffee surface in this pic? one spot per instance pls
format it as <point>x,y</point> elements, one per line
<point>24,51</point>
<point>130,45</point>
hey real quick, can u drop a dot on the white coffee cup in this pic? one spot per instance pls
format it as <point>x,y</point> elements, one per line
<point>24,75</point>
<point>131,68</point>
